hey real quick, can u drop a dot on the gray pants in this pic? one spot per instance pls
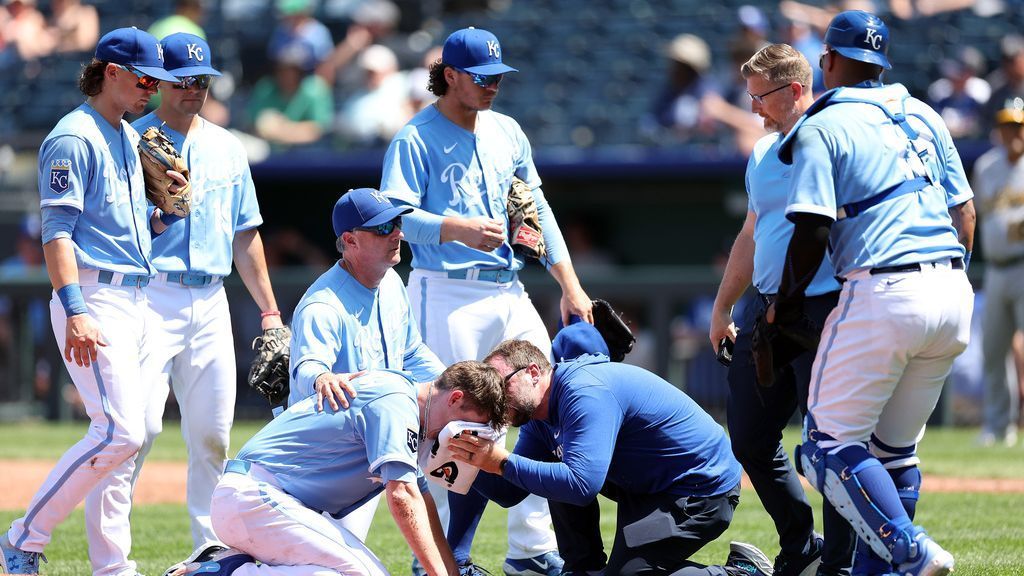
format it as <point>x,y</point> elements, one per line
<point>1004,315</point>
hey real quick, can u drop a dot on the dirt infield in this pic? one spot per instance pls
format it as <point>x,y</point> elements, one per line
<point>164,483</point>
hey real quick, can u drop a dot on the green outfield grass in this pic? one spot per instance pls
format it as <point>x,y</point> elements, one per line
<point>982,530</point>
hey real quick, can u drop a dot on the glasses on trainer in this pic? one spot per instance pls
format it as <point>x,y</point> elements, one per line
<point>201,82</point>
<point>482,80</point>
<point>514,372</point>
<point>759,98</point>
<point>145,81</point>
<point>821,59</point>
<point>382,229</point>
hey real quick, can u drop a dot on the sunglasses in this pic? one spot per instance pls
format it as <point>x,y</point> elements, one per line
<point>514,372</point>
<point>759,98</point>
<point>821,59</point>
<point>382,229</point>
<point>145,82</point>
<point>201,82</point>
<point>482,80</point>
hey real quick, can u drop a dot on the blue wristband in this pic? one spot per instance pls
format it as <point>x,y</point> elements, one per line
<point>967,259</point>
<point>71,299</point>
<point>169,219</point>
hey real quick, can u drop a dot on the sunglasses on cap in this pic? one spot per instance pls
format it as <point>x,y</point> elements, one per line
<point>382,229</point>
<point>144,81</point>
<point>201,82</point>
<point>482,80</point>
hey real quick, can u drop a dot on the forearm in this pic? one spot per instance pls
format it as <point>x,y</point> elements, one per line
<point>739,271</point>
<point>247,249</point>
<point>565,275</point>
<point>554,480</point>
<point>409,511</point>
<point>803,258</point>
<point>964,220</point>
<point>61,264</point>
<point>304,375</point>
<point>422,227</point>
<point>553,240</point>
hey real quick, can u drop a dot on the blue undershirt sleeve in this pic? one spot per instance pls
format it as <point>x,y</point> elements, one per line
<point>58,222</point>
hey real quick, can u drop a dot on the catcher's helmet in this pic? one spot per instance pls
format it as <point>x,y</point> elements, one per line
<point>861,36</point>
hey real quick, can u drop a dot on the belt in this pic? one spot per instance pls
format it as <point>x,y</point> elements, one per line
<point>237,467</point>
<point>190,279</point>
<point>118,279</point>
<point>956,263</point>
<point>1011,261</point>
<point>498,276</point>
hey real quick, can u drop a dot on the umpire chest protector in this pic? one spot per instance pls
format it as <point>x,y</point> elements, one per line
<point>927,166</point>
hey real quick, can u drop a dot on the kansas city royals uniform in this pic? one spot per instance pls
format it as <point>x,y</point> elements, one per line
<point>882,165</point>
<point>92,192</point>
<point>272,500</point>
<point>999,186</point>
<point>341,326</point>
<point>627,433</point>
<point>466,300</point>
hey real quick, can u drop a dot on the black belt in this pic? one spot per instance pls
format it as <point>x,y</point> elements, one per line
<point>956,263</point>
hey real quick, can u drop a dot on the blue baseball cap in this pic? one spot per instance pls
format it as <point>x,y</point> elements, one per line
<point>577,339</point>
<point>859,35</point>
<point>136,48</point>
<point>187,55</point>
<point>364,207</point>
<point>474,50</point>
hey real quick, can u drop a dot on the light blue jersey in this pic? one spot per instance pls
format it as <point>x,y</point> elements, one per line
<point>341,326</point>
<point>442,170</point>
<point>767,181</point>
<point>87,165</point>
<point>849,152</point>
<point>223,200</point>
<point>332,461</point>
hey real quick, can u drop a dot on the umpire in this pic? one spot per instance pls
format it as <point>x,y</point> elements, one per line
<point>779,84</point>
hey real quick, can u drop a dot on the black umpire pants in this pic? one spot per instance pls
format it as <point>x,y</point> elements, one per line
<point>654,536</point>
<point>756,417</point>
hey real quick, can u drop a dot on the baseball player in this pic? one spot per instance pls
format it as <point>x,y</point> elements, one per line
<point>270,504</point>
<point>356,316</point>
<point>453,163</point>
<point>779,83</point>
<point>96,242</point>
<point>590,425</point>
<point>192,348</point>
<point>877,179</point>
<point>999,185</point>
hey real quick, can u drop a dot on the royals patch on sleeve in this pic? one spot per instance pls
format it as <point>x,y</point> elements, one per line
<point>60,176</point>
<point>412,440</point>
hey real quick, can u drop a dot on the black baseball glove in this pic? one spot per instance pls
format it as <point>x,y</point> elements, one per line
<point>613,329</point>
<point>269,371</point>
<point>775,346</point>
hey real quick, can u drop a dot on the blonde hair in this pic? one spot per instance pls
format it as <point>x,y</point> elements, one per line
<point>778,63</point>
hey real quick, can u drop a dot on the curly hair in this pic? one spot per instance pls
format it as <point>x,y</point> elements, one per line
<point>90,82</point>
<point>437,84</point>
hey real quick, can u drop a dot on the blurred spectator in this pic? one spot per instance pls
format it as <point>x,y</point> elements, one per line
<point>187,17</point>
<point>801,36</point>
<point>298,27</point>
<point>1008,81</point>
<point>371,116</point>
<point>292,106</point>
<point>73,26</point>
<point>373,22</point>
<point>733,108</point>
<point>586,237</point>
<point>23,35</point>
<point>288,247</point>
<point>418,79</point>
<point>960,94</point>
<point>753,28</point>
<point>678,106</point>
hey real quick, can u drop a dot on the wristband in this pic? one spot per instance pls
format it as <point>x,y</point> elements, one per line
<point>967,259</point>
<point>169,219</point>
<point>70,296</point>
<point>270,313</point>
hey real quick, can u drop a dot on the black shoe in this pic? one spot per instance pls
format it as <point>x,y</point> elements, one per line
<point>803,565</point>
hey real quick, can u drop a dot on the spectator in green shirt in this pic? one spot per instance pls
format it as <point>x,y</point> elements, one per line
<point>292,106</point>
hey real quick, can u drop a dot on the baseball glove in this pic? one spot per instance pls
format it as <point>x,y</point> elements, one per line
<point>269,371</point>
<point>158,156</point>
<point>613,329</point>
<point>775,346</point>
<point>525,234</point>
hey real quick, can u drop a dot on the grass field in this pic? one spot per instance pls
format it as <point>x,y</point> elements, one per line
<point>984,531</point>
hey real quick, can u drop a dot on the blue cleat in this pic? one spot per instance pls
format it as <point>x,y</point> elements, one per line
<point>547,564</point>
<point>220,563</point>
<point>199,555</point>
<point>747,560</point>
<point>14,561</point>
<point>928,559</point>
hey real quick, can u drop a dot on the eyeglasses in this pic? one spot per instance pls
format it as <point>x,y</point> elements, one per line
<point>482,80</point>
<point>514,372</point>
<point>201,82</point>
<point>821,59</point>
<point>382,229</point>
<point>759,98</point>
<point>145,82</point>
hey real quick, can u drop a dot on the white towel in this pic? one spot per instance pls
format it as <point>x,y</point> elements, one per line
<point>438,465</point>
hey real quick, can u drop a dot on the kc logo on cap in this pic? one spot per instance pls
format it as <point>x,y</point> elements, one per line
<point>135,48</point>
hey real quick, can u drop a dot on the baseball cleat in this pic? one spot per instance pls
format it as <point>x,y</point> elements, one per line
<point>220,563</point>
<point>747,560</point>
<point>14,561</point>
<point>930,560</point>
<point>804,565</point>
<point>198,555</point>
<point>547,564</point>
